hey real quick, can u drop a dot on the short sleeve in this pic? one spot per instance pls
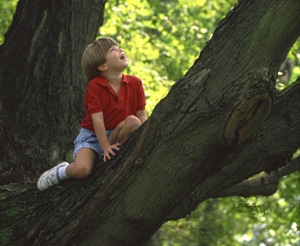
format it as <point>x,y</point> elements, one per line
<point>93,101</point>
<point>141,97</point>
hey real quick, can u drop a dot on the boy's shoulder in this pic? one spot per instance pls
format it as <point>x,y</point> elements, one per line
<point>131,78</point>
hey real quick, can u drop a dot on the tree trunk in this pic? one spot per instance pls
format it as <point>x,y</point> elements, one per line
<point>220,124</point>
<point>42,85</point>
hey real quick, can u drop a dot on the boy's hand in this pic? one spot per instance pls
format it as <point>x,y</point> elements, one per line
<point>110,151</point>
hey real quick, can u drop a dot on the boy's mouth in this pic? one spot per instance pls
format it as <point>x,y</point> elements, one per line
<point>123,57</point>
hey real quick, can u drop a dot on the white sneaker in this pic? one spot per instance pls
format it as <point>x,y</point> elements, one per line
<point>49,177</point>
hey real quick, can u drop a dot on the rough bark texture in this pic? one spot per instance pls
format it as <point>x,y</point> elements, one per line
<point>220,124</point>
<point>42,84</point>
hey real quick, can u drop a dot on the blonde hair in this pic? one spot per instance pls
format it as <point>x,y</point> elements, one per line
<point>95,55</point>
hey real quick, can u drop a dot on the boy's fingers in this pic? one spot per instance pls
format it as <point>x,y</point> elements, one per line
<point>106,157</point>
<point>111,152</point>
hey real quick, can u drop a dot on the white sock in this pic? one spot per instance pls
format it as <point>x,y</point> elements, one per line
<point>61,173</point>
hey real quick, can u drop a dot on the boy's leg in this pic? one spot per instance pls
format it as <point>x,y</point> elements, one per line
<point>50,177</point>
<point>79,169</point>
<point>83,164</point>
<point>124,129</point>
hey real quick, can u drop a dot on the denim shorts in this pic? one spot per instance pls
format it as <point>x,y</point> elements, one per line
<point>88,139</point>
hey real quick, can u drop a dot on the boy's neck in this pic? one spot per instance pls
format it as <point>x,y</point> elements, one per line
<point>114,79</point>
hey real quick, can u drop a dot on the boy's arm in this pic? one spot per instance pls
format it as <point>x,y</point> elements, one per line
<point>99,127</point>
<point>141,114</point>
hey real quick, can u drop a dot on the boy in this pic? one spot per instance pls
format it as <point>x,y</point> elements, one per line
<point>115,108</point>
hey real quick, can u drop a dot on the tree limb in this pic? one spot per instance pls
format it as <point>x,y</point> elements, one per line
<point>264,151</point>
<point>184,157</point>
<point>264,184</point>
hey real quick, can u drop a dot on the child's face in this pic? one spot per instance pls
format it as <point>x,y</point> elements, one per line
<point>116,59</point>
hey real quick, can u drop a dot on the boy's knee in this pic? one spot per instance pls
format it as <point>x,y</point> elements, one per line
<point>81,172</point>
<point>132,123</point>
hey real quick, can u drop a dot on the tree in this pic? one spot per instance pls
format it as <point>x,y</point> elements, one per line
<point>220,124</point>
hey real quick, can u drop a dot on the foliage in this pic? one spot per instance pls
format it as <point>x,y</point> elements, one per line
<point>294,56</point>
<point>162,39</point>
<point>236,221</point>
<point>7,8</point>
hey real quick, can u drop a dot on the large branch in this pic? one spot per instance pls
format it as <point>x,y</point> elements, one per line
<point>264,184</point>
<point>269,149</point>
<point>182,150</point>
<point>217,127</point>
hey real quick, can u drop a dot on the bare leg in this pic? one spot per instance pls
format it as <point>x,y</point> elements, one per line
<point>125,128</point>
<point>83,164</point>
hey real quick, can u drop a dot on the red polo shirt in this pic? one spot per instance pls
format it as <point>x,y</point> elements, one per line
<point>100,97</point>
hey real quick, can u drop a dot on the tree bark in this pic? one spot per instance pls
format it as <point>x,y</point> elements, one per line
<point>42,85</point>
<point>219,125</point>
<point>264,184</point>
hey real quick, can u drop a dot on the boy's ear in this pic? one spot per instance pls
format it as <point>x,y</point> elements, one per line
<point>102,68</point>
